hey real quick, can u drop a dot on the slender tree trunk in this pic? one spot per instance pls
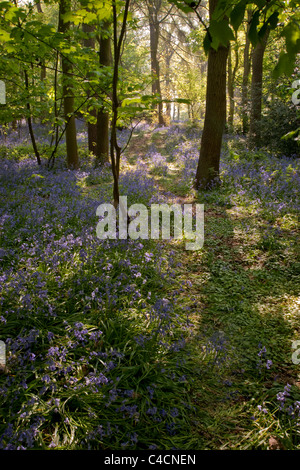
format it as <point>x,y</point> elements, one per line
<point>229,85</point>
<point>103,114</point>
<point>246,74</point>
<point>215,115</point>
<point>153,9</point>
<point>43,71</point>
<point>232,71</point>
<point>29,121</point>
<point>39,7</point>
<point>91,126</point>
<point>42,63</point>
<point>168,85</point>
<point>256,90</point>
<point>174,112</point>
<point>68,95</point>
<point>56,109</point>
<point>115,150</point>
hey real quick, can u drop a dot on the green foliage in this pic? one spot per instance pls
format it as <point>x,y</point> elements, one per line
<point>228,17</point>
<point>279,127</point>
<point>291,34</point>
<point>220,32</point>
<point>237,15</point>
<point>187,6</point>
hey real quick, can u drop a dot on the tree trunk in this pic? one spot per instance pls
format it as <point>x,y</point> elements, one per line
<point>153,9</point>
<point>232,71</point>
<point>68,95</point>
<point>256,90</point>
<point>91,126</point>
<point>43,71</point>
<point>215,115</point>
<point>230,87</point>
<point>103,114</point>
<point>115,150</point>
<point>168,85</point>
<point>39,7</point>
<point>246,73</point>
<point>29,121</point>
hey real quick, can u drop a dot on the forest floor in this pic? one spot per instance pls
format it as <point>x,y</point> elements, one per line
<point>196,347</point>
<point>243,297</point>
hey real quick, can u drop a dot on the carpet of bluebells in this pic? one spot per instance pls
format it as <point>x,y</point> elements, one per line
<point>96,334</point>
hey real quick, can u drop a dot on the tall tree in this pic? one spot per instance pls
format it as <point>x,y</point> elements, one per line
<point>29,121</point>
<point>256,89</point>
<point>215,113</point>
<point>68,94</point>
<point>232,71</point>
<point>115,149</point>
<point>246,74</point>
<point>39,7</point>
<point>89,42</point>
<point>169,51</point>
<point>154,7</point>
<point>98,122</point>
<point>103,112</point>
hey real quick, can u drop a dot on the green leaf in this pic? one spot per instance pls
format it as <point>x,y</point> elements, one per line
<point>292,135</point>
<point>206,43</point>
<point>9,47</point>
<point>89,17</point>
<point>182,100</point>
<point>220,10</point>
<point>263,30</point>
<point>221,33</point>
<point>260,3</point>
<point>182,5</point>
<point>292,37</point>
<point>4,36</point>
<point>237,14</point>
<point>131,110</point>
<point>68,17</point>
<point>273,20</point>
<point>130,101</point>
<point>253,36</point>
<point>285,65</point>
<point>11,13</point>
<point>271,23</point>
<point>147,98</point>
